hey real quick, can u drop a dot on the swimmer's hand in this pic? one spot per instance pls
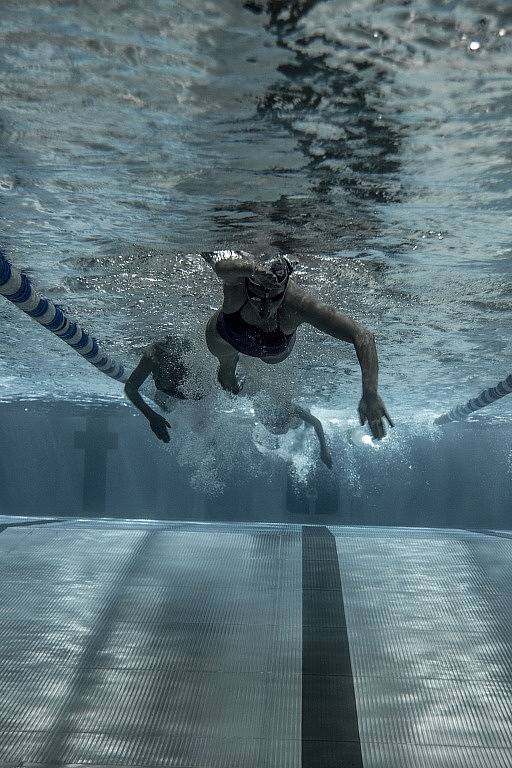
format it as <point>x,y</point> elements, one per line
<point>326,457</point>
<point>159,426</point>
<point>264,277</point>
<point>372,410</point>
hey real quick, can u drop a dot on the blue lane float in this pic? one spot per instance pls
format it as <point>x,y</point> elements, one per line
<point>486,397</point>
<point>17,288</point>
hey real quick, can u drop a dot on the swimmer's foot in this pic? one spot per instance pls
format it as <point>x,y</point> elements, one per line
<point>229,381</point>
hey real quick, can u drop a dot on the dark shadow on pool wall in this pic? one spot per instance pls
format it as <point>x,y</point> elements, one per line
<point>62,460</point>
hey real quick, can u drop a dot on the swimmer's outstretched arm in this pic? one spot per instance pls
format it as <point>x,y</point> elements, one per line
<point>137,377</point>
<point>308,417</point>
<point>235,266</point>
<point>307,310</point>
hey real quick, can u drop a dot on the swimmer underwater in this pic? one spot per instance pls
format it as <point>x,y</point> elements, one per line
<point>260,314</point>
<point>279,418</point>
<point>165,361</point>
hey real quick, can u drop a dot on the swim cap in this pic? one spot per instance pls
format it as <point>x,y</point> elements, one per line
<point>282,268</point>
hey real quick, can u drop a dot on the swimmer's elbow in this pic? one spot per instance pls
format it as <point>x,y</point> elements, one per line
<point>363,339</point>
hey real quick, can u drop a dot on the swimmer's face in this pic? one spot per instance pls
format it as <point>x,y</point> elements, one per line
<point>266,303</point>
<point>267,300</point>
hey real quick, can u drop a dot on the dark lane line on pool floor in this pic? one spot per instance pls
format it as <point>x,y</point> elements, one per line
<point>330,729</point>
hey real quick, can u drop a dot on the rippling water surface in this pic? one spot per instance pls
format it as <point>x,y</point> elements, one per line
<point>370,140</point>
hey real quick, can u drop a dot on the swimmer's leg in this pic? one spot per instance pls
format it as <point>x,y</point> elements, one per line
<point>226,355</point>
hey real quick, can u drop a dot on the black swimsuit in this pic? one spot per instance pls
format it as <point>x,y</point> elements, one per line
<point>251,340</point>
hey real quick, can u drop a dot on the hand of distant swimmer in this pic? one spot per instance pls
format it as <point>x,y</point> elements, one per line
<point>372,410</point>
<point>159,426</point>
<point>326,457</point>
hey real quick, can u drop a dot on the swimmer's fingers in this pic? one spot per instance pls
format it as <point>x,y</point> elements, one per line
<point>163,435</point>
<point>326,458</point>
<point>377,428</point>
<point>159,428</point>
<point>374,411</point>
<point>388,417</point>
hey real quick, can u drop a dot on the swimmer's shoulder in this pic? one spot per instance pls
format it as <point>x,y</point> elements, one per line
<point>301,307</point>
<point>293,307</point>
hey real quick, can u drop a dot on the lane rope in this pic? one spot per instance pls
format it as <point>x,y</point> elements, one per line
<point>485,398</point>
<point>17,288</point>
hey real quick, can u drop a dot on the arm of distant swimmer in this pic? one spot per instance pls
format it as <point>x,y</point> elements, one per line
<point>234,266</point>
<point>340,326</point>
<point>137,377</point>
<point>306,416</point>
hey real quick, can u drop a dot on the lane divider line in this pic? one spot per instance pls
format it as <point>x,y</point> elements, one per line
<point>330,728</point>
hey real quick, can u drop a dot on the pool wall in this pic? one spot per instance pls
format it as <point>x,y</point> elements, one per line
<point>60,459</point>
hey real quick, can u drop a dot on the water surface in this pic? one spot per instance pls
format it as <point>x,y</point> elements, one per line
<point>369,140</point>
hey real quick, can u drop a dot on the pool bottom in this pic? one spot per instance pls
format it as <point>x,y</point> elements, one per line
<point>146,643</point>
